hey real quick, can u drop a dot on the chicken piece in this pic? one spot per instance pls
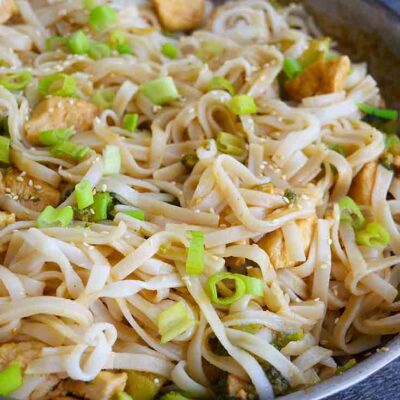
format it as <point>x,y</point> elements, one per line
<point>60,112</point>
<point>361,187</point>
<point>22,352</point>
<point>274,244</point>
<point>6,218</point>
<point>236,387</point>
<point>30,192</point>
<point>180,15</point>
<point>103,387</point>
<point>7,9</point>
<point>322,77</point>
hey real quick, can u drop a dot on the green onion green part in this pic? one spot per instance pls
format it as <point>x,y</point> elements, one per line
<point>130,122</point>
<point>292,68</point>
<point>345,367</point>
<point>98,51</point>
<point>52,217</point>
<point>374,235</point>
<point>16,81</point>
<point>10,379</point>
<point>231,144</point>
<point>283,339</point>
<point>350,212</point>
<point>69,149</point>
<point>55,136</point>
<point>124,48</point>
<point>383,113</point>
<point>160,91</point>
<point>122,396</point>
<point>116,38</point>
<point>102,17</point>
<point>5,150</point>
<point>104,98</point>
<point>84,194</point>
<point>169,50</point>
<point>195,254</point>
<point>59,84</point>
<point>174,321</point>
<point>89,4</point>
<point>79,43</point>
<point>111,160</point>
<point>243,105</point>
<point>220,83</point>
<point>137,214</point>
<point>100,206</point>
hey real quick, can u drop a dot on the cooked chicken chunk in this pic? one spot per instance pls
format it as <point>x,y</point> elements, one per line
<point>236,387</point>
<point>274,244</point>
<point>361,187</point>
<point>7,9</point>
<point>322,77</point>
<point>6,218</point>
<point>179,15</point>
<point>22,352</point>
<point>103,387</point>
<point>30,192</point>
<point>60,112</point>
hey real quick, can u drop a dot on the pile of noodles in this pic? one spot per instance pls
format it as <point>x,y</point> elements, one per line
<point>92,293</point>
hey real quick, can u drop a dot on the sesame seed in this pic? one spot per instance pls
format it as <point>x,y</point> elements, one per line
<point>336,320</point>
<point>317,299</point>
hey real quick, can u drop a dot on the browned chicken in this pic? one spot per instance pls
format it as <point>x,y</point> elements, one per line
<point>361,187</point>
<point>322,77</point>
<point>274,244</point>
<point>7,9</point>
<point>30,192</point>
<point>180,15</point>
<point>22,352</point>
<point>6,218</point>
<point>103,387</point>
<point>60,112</point>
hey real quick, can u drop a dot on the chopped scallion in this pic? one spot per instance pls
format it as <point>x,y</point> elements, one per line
<point>55,136</point>
<point>4,150</point>
<point>195,254</point>
<point>350,212</point>
<point>101,204</point>
<point>102,17</point>
<point>124,48</point>
<point>220,83</point>
<point>104,98</point>
<point>55,42</point>
<point>69,149</point>
<point>89,4</point>
<point>292,68</point>
<point>98,51</point>
<point>160,91</point>
<point>116,38</point>
<point>137,214</point>
<point>122,396</point>
<point>231,144</point>
<point>84,194</point>
<point>16,81</point>
<point>169,50</point>
<point>130,122</point>
<point>10,379</point>
<point>52,217</point>
<point>373,235</point>
<point>345,367</point>
<point>283,339</point>
<point>79,43</point>
<point>383,113</point>
<point>174,321</point>
<point>58,85</point>
<point>111,160</point>
<point>243,105</point>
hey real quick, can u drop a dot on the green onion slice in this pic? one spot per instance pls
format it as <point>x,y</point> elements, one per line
<point>98,51</point>
<point>174,321</point>
<point>220,83</point>
<point>160,91</point>
<point>209,50</point>
<point>5,150</point>
<point>195,254</point>
<point>383,113</point>
<point>231,144</point>
<point>69,149</point>
<point>124,48</point>
<point>122,396</point>
<point>55,42</point>
<point>89,4</point>
<point>345,367</point>
<point>243,105</point>
<point>169,50</point>
<point>102,17</point>
<point>79,43</point>
<point>350,212</point>
<point>244,285</point>
<point>58,85</point>
<point>137,214</point>
<point>55,136</point>
<point>130,122</point>
<point>10,379</point>
<point>283,339</point>
<point>392,143</point>
<point>101,203</point>
<point>84,194</point>
<point>52,217</point>
<point>292,67</point>
<point>116,38</point>
<point>16,81</point>
<point>104,98</point>
<point>111,160</point>
<point>373,235</point>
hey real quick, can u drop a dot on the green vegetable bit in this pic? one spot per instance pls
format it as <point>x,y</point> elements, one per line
<point>345,367</point>
<point>189,160</point>
<point>282,339</point>
<point>290,196</point>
